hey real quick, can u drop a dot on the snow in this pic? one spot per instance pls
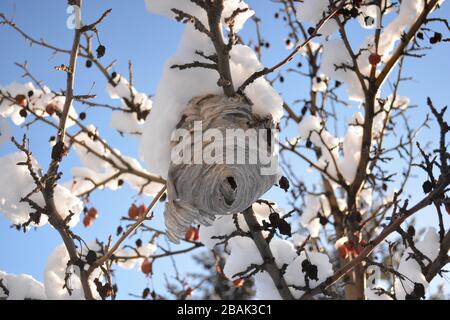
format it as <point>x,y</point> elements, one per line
<point>314,46</point>
<point>390,103</point>
<point>11,109</point>
<point>84,179</point>
<point>335,58</point>
<point>126,120</point>
<point>284,254</point>
<point>38,100</point>
<point>243,254</point>
<point>91,139</point>
<point>345,151</point>
<point>96,170</point>
<point>295,276</point>
<point>335,54</point>
<point>313,11</point>
<point>21,287</point>
<point>5,133</point>
<point>265,288</point>
<point>146,250</point>
<point>224,225</point>
<point>20,183</point>
<point>128,264</point>
<point>369,15</point>
<point>311,127</point>
<point>164,7</point>
<point>283,251</point>
<point>409,267</point>
<point>55,272</point>
<point>66,203</point>
<point>372,294</point>
<point>320,83</point>
<point>313,206</point>
<point>177,87</point>
<point>298,239</point>
<point>374,282</point>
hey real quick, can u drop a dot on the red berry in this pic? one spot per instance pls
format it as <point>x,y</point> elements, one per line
<point>133,212</point>
<point>141,210</point>
<point>87,221</point>
<point>92,212</point>
<point>238,283</point>
<point>146,267</point>
<point>343,252</point>
<point>353,249</point>
<point>350,246</point>
<point>21,100</point>
<point>192,234</point>
<point>188,292</point>
<point>50,108</point>
<point>374,59</point>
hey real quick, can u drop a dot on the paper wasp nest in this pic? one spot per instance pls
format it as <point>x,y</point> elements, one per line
<point>198,191</point>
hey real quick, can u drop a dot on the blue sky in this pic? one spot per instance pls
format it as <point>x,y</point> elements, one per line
<point>131,33</point>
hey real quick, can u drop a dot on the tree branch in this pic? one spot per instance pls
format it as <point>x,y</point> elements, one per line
<point>266,254</point>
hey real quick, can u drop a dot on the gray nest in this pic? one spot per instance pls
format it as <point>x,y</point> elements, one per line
<point>198,192</point>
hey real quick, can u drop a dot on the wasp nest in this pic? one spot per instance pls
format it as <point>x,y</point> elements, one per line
<point>198,191</point>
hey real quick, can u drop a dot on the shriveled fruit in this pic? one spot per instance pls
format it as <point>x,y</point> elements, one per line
<point>87,221</point>
<point>343,252</point>
<point>374,59</point>
<point>146,267</point>
<point>92,212</point>
<point>91,257</point>
<point>21,100</point>
<point>284,183</point>
<point>50,108</point>
<point>141,210</point>
<point>188,292</point>
<point>238,283</point>
<point>192,234</point>
<point>427,186</point>
<point>133,212</point>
